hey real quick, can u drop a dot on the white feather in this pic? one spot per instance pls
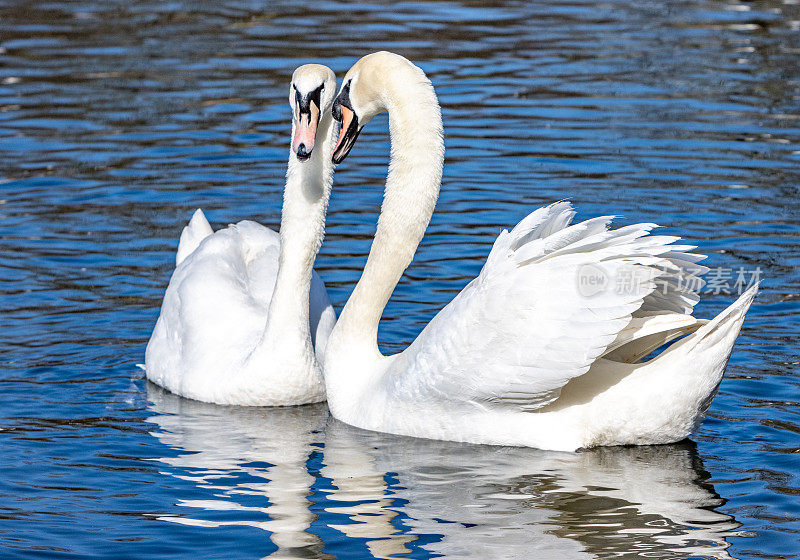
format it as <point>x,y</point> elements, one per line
<point>245,320</point>
<point>543,348</point>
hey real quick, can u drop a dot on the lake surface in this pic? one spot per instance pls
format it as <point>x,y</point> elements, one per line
<point>118,119</point>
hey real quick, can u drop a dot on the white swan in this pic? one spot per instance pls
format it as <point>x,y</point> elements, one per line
<point>544,347</point>
<point>236,325</point>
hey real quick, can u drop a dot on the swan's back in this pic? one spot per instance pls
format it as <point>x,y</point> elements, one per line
<point>215,310</point>
<point>529,353</point>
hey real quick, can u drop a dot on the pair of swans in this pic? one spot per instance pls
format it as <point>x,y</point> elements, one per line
<point>525,355</point>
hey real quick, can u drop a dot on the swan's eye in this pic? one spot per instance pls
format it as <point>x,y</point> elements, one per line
<point>343,99</point>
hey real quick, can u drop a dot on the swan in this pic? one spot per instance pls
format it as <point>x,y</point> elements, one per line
<point>236,325</point>
<point>545,347</point>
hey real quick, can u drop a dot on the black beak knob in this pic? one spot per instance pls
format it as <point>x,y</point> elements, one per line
<point>302,153</point>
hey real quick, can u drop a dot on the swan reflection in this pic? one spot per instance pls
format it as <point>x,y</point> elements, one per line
<point>501,502</point>
<point>252,459</point>
<point>388,496</point>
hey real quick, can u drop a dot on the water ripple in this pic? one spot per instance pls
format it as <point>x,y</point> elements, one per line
<point>118,119</point>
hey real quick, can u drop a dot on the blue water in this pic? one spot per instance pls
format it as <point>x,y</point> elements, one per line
<point>118,119</point>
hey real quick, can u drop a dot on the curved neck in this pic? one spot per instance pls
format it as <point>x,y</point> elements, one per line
<point>305,203</point>
<point>412,188</point>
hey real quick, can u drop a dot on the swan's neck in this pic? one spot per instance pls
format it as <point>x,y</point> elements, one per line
<point>305,202</point>
<point>412,188</point>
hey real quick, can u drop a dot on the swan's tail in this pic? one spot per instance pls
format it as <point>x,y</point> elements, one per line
<point>722,330</point>
<point>704,354</point>
<point>664,399</point>
<point>197,229</point>
<point>645,334</point>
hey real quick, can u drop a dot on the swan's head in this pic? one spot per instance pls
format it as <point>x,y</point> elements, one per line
<point>310,96</point>
<point>369,87</point>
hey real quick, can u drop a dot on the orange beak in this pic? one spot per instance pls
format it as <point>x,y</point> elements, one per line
<point>348,132</point>
<point>305,132</point>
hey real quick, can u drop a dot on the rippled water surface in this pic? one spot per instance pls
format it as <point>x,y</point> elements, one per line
<point>118,119</point>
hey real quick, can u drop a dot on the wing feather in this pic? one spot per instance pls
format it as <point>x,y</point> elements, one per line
<point>551,298</point>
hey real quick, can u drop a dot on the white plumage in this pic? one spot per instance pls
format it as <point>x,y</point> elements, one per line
<point>543,348</point>
<point>245,320</point>
<point>543,330</point>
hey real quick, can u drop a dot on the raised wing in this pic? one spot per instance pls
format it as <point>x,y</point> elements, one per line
<point>550,300</point>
